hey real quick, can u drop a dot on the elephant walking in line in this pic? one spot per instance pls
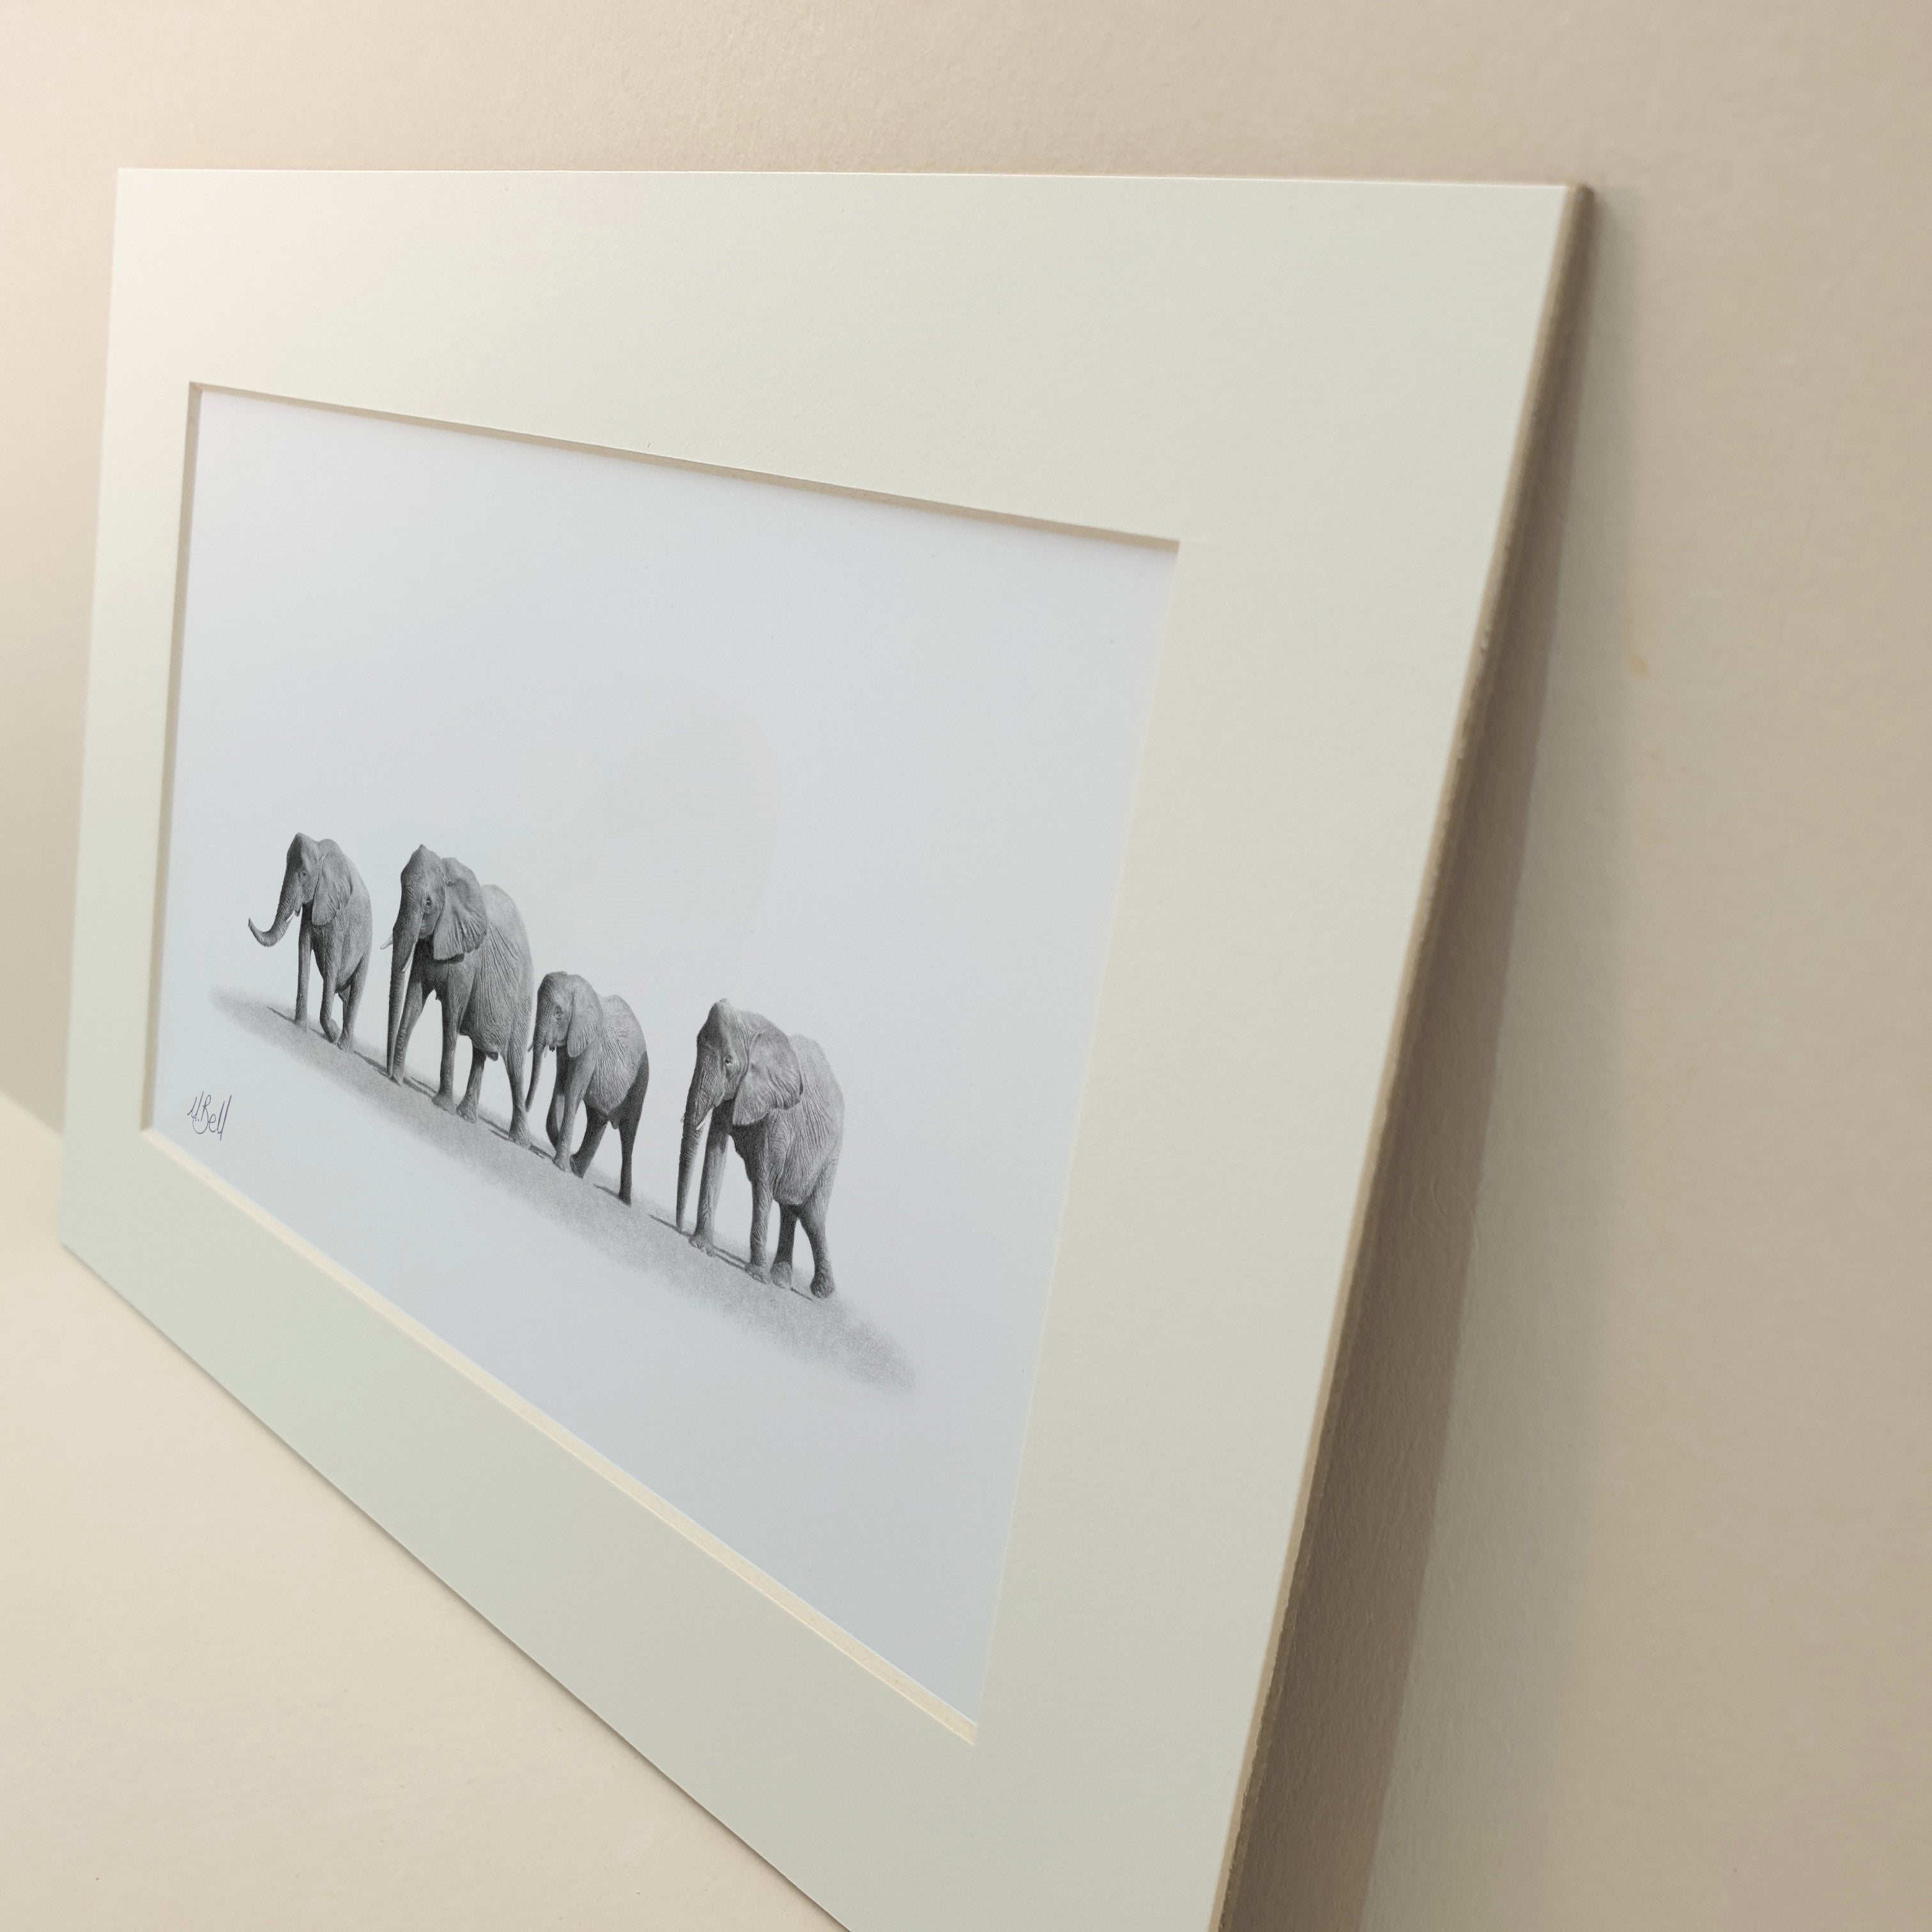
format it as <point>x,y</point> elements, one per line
<point>602,1066</point>
<point>337,926</point>
<point>775,1095</point>
<point>465,943</point>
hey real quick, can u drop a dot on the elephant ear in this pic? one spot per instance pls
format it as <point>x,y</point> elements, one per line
<point>772,1079</point>
<point>584,1019</point>
<point>465,923</point>
<point>332,888</point>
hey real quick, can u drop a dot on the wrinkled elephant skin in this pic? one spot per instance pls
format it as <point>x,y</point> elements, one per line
<point>773,1095</point>
<point>602,1066</point>
<point>319,882</point>
<point>464,942</point>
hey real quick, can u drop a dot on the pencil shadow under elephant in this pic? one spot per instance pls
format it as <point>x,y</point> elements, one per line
<point>464,942</point>
<point>775,1096</point>
<point>319,882</point>
<point>602,1066</point>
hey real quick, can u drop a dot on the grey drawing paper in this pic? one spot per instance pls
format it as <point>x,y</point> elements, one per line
<point>860,768</point>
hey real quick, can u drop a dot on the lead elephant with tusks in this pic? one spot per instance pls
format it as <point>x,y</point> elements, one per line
<point>602,1066</point>
<point>464,942</point>
<point>337,926</point>
<point>774,1095</point>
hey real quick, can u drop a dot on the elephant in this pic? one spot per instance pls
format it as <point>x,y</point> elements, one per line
<point>337,926</point>
<point>601,1065</point>
<point>465,943</point>
<point>775,1096</point>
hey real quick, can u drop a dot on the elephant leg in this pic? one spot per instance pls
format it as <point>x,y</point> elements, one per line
<point>328,957</point>
<point>445,1085</point>
<point>472,1094</point>
<point>787,1228</point>
<point>352,1003</point>
<point>812,1213</point>
<point>594,1125</point>
<point>573,1099</point>
<point>304,946</point>
<point>707,1186</point>
<point>761,1222</point>
<point>413,1006</point>
<point>627,1139</point>
<point>513,1065</point>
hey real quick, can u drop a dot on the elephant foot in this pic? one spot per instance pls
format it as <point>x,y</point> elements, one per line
<point>822,1285</point>
<point>519,1136</point>
<point>781,1276</point>
<point>447,1102</point>
<point>561,1161</point>
<point>759,1274</point>
<point>467,1112</point>
<point>702,1242</point>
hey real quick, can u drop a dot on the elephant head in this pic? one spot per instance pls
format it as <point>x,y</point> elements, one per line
<point>569,1015</point>
<point>442,906</point>
<point>309,880</point>
<point>744,1063</point>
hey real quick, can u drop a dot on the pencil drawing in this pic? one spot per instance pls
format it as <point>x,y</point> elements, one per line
<point>602,1066</point>
<point>832,1333</point>
<point>773,1095</point>
<point>464,942</point>
<point>337,926</point>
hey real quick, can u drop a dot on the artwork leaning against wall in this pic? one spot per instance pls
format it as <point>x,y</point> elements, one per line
<point>647,925</point>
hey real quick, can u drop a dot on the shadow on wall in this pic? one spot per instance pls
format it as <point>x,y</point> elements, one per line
<point>643,1236</point>
<point>1328,1730</point>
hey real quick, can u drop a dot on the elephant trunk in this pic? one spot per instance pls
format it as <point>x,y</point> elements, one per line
<point>290,905</point>
<point>536,1067</point>
<point>695,1111</point>
<point>401,957</point>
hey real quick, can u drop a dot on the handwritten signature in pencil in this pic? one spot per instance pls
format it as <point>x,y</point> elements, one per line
<point>206,1117</point>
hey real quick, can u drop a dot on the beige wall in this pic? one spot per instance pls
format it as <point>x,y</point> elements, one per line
<point>1652,1285</point>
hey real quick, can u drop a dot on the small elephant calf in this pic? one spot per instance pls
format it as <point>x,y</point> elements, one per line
<point>602,1066</point>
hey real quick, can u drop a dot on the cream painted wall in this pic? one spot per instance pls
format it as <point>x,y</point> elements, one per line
<point>1650,1297</point>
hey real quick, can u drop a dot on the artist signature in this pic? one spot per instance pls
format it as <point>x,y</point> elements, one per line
<point>206,1117</point>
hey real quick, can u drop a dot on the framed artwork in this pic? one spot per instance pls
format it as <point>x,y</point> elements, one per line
<point>752,850</point>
